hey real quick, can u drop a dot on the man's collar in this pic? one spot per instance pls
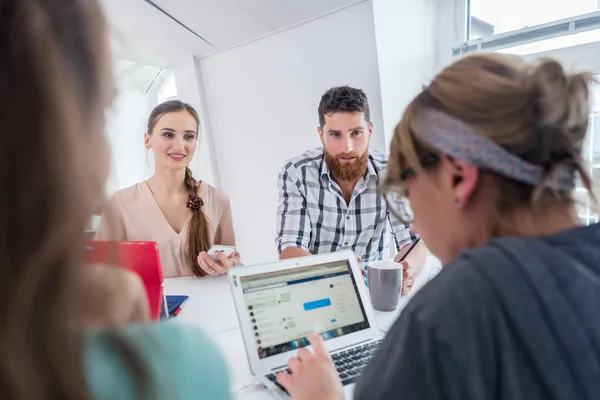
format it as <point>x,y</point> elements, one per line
<point>325,172</point>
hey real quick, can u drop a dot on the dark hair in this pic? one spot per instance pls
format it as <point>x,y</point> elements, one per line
<point>343,99</point>
<point>54,54</point>
<point>198,231</point>
<point>537,111</point>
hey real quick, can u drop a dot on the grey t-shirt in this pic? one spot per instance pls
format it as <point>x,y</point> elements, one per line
<point>517,319</point>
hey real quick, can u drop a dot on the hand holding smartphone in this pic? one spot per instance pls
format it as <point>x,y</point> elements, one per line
<point>226,250</point>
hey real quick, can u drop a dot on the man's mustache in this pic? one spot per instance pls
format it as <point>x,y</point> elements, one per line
<point>346,155</point>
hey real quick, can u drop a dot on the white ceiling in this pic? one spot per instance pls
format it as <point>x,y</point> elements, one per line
<point>142,32</point>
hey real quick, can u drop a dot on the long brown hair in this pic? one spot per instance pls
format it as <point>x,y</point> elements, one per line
<point>198,234</point>
<point>53,53</point>
<point>537,111</point>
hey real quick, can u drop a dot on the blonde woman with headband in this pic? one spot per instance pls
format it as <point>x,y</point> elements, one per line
<point>483,165</point>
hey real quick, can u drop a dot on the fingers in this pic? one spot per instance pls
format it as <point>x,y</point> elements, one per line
<point>210,266</point>
<point>304,355</point>
<point>408,277</point>
<point>226,262</point>
<point>312,374</point>
<point>358,259</point>
<point>204,265</point>
<point>318,345</point>
<point>407,285</point>
<point>294,364</point>
<point>364,274</point>
<point>407,270</point>
<point>284,380</point>
<point>220,270</point>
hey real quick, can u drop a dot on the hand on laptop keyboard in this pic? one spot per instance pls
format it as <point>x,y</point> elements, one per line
<point>348,363</point>
<point>313,376</point>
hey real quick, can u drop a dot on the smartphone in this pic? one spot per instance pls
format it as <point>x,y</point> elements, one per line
<point>226,250</point>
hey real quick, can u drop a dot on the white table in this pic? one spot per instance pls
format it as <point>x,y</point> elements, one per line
<point>210,307</point>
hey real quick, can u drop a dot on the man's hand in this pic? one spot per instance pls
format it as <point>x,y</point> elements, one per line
<point>312,376</point>
<point>408,277</point>
<point>363,271</point>
<point>293,252</point>
<point>412,265</point>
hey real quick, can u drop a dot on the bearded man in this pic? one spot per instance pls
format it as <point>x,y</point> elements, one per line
<point>328,198</point>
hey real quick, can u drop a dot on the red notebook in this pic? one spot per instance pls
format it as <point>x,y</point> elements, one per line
<point>140,257</point>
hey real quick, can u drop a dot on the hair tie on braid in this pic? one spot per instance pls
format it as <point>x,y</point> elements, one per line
<point>195,203</point>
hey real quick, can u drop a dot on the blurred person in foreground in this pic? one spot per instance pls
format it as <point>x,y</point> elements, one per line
<point>61,336</point>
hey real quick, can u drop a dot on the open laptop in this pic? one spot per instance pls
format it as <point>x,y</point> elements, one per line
<point>141,257</point>
<point>279,304</point>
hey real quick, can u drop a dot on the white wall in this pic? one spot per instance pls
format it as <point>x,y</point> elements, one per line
<point>414,41</point>
<point>262,100</point>
<point>190,90</point>
<point>406,52</point>
<point>451,29</point>
<point>126,126</point>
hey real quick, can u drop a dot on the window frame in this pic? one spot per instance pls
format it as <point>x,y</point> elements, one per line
<point>468,21</point>
<point>554,29</point>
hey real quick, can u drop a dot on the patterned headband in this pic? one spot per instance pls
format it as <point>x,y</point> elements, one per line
<point>461,141</point>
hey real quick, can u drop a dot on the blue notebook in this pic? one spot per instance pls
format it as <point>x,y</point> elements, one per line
<point>173,302</point>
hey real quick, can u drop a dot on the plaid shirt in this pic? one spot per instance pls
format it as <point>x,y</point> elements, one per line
<point>313,214</point>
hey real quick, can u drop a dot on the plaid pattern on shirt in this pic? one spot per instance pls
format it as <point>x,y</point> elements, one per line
<point>313,215</point>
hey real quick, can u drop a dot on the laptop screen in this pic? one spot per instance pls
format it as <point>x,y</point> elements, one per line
<point>285,306</point>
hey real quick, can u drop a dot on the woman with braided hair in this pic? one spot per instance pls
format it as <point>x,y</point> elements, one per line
<point>185,217</point>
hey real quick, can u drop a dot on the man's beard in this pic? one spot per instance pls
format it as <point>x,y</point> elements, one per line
<point>347,171</point>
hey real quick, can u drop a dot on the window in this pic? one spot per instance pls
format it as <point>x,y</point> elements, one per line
<point>488,17</point>
<point>591,153</point>
<point>140,86</point>
<point>168,88</point>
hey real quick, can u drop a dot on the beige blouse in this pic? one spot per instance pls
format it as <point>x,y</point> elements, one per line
<point>133,214</point>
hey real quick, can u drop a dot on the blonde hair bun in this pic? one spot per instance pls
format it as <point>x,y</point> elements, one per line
<point>561,100</point>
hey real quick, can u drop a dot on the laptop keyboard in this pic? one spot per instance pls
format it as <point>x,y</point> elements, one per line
<point>349,363</point>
